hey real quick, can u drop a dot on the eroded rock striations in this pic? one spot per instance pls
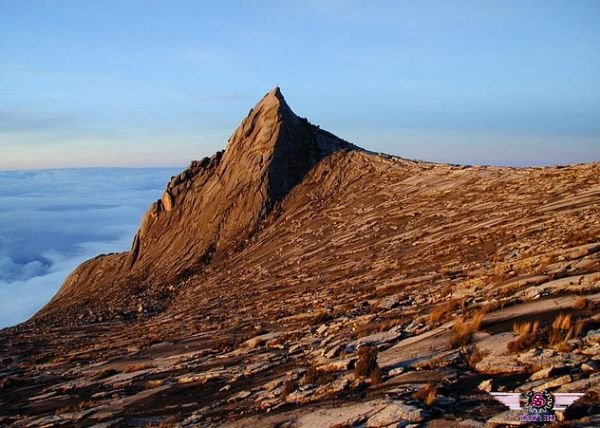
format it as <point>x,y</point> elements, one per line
<point>213,205</point>
<point>297,280</point>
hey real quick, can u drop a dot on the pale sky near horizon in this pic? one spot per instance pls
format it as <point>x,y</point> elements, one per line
<point>157,83</point>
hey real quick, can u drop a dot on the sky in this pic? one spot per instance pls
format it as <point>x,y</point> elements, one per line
<point>157,83</point>
<point>146,84</point>
<point>53,220</point>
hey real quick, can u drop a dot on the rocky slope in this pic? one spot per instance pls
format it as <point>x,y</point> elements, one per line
<point>297,280</point>
<point>213,205</point>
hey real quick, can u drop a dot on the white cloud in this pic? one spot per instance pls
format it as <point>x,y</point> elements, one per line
<point>52,220</point>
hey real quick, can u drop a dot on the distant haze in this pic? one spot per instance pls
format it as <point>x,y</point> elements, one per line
<point>139,83</point>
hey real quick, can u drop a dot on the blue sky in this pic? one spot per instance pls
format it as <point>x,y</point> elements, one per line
<point>157,83</point>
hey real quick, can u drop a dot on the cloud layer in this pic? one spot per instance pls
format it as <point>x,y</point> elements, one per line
<point>52,220</point>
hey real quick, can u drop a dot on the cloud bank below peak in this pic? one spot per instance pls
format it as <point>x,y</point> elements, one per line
<point>53,220</point>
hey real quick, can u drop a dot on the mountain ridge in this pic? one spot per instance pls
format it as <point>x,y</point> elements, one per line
<point>207,208</point>
<point>368,290</point>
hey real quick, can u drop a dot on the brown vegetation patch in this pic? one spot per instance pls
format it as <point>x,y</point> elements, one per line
<point>426,394</point>
<point>441,312</point>
<point>316,377</point>
<point>557,335</point>
<point>463,330</point>
<point>366,364</point>
<point>137,367</point>
<point>377,327</point>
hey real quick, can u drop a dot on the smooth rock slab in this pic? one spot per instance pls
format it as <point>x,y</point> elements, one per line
<point>260,340</point>
<point>373,414</point>
<point>554,383</point>
<point>336,366</point>
<point>394,413</point>
<point>581,385</point>
<point>500,365</point>
<point>508,418</point>
<point>344,415</point>
<point>542,374</point>
<point>377,339</point>
<point>202,377</point>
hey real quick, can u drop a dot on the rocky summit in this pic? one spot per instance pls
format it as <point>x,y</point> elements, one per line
<point>297,280</point>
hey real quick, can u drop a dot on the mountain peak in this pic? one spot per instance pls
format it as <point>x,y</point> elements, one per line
<point>214,204</point>
<point>273,98</point>
<point>277,147</point>
<point>275,92</point>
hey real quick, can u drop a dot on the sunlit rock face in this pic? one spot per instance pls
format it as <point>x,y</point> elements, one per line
<point>211,206</point>
<point>297,280</point>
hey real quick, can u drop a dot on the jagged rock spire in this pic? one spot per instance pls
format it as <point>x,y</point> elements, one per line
<point>215,203</point>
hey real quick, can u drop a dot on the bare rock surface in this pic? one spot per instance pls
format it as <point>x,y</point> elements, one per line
<point>297,280</point>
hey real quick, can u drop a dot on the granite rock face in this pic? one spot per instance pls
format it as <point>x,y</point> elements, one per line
<point>295,279</point>
<point>205,210</point>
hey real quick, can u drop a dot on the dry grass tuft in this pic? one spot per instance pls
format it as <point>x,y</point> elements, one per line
<point>564,330</point>
<point>82,405</point>
<point>426,394</point>
<point>311,375</point>
<point>289,386</point>
<point>440,312</point>
<point>315,377</point>
<point>105,373</point>
<point>170,422</point>
<point>562,322</point>
<point>582,303</point>
<point>153,383</point>
<point>491,306</point>
<point>527,327</point>
<point>377,326</point>
<point>375,376</point>
<point>557,335</point>
<point>476,357</point>
<point>544,262</point>
<point>321,317</point>
<point>501,272</point>
<point>136,367</point>
<point>463,330</point>
<point>527,335</point>
<point>366,364</point>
